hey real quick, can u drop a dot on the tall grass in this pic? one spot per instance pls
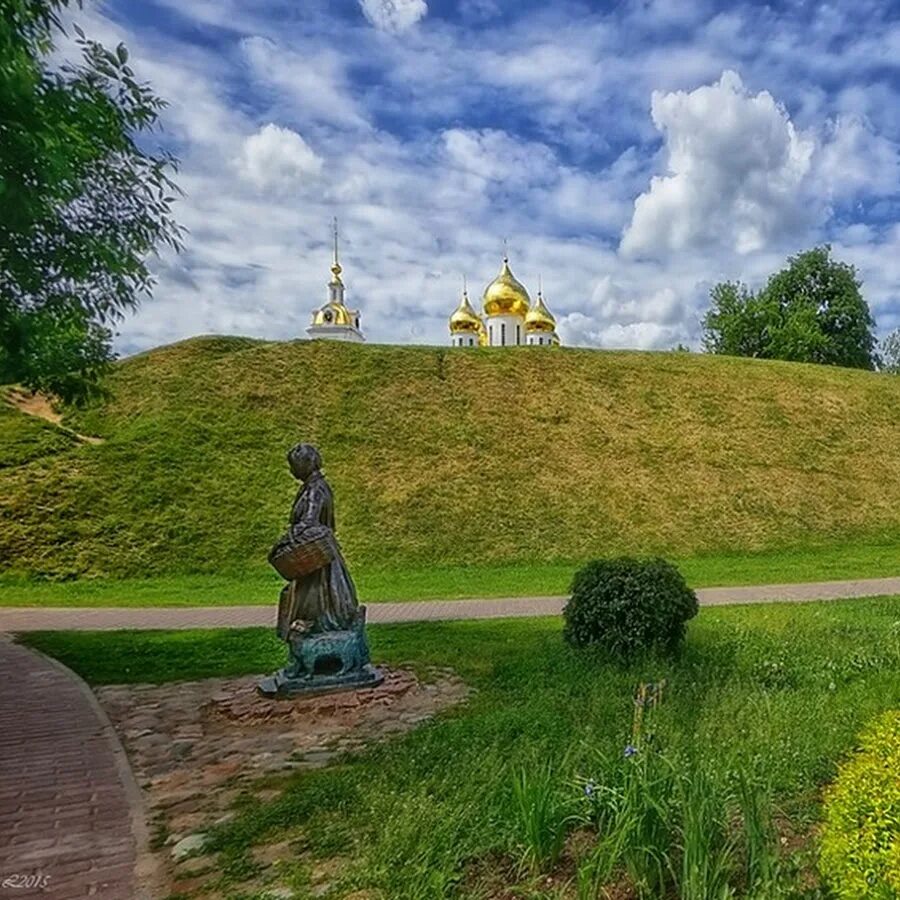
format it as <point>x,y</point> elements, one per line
<point>666,823</point>
<point>544,815</point>
<point>667,826</point>
<point>762,870</point>
<point>705,841</point>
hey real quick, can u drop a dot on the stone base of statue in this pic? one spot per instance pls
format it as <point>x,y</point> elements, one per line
<point>282,685</point>
<point>323,662</point>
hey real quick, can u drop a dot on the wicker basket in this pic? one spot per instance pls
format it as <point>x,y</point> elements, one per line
<point>301,553</point>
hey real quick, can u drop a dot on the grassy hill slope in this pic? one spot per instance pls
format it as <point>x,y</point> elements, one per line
<point>449,457</point>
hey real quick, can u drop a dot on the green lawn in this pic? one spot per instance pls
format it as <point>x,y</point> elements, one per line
<point>826,563</point>
<point>776,691</point>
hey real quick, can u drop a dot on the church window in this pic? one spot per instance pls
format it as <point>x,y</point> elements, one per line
<point>503,334</point>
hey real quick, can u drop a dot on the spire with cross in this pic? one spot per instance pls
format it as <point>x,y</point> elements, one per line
<point>335,265</point>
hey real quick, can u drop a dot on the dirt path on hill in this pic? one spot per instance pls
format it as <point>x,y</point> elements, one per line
<point>39,406</point>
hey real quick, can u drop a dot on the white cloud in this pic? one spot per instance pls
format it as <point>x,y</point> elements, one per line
<point>277,157</point>
<point>613,303</point>
<point>877,258</point>
<point>639,336</point>
<point>308,83</point>
<point>394,16</point>
<point>600,201</point>
<point>493,156</point>
<point>579,330</point>
<point>662,14</point>
<point>642,313</point>
<point>425,191</point>
<point>577,57</point>
<point>736,173</point>
<point>479,10</point>
<point>854,159</point>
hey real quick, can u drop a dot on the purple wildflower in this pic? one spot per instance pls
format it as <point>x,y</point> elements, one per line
<point>630,751</point>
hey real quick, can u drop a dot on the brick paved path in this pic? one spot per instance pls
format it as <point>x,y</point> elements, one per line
<point>14,619</point>
<point>69,808</point>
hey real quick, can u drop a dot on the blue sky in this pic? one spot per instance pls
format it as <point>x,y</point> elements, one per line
<point>631,153</point>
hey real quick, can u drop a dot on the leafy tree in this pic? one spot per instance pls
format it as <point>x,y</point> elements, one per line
<point>82,203</point>
<point>732,326</point>
<point>890,353</point>
<point>810,311</point>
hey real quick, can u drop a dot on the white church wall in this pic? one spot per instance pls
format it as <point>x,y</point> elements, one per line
<point>505,331</point>
<point>336,333</point>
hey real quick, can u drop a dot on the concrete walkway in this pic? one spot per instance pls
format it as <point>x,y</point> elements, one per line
<point>16,619</point>
<point>71,823</point>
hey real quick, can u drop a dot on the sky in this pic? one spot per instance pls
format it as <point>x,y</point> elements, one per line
<point>631,155</point>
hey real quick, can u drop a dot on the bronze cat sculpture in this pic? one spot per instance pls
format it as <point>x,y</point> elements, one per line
<point>329,652</point>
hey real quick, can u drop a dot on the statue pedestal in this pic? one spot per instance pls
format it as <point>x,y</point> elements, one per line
<point>325,661</point>
<point>282,684</point>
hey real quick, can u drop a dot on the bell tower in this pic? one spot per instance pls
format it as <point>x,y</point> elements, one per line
<point>334,321</point>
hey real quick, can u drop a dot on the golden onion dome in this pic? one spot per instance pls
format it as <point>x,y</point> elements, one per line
<point>540,318</point>
<point>505,295</point>
<point>332,314</point>
<point>464,318</point>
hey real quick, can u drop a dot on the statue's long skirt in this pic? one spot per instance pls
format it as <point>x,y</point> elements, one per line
<point>326,597</point>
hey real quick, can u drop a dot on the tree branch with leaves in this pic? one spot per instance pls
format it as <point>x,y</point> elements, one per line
<point>82,203</point>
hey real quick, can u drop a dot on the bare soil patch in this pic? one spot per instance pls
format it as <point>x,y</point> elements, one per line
<point>39,406</point>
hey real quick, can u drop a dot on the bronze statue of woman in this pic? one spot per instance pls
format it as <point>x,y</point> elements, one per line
<point>324,600</point>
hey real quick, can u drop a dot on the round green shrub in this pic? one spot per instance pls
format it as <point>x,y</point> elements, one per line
<point>628,605</point>
<point>860,847</point>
